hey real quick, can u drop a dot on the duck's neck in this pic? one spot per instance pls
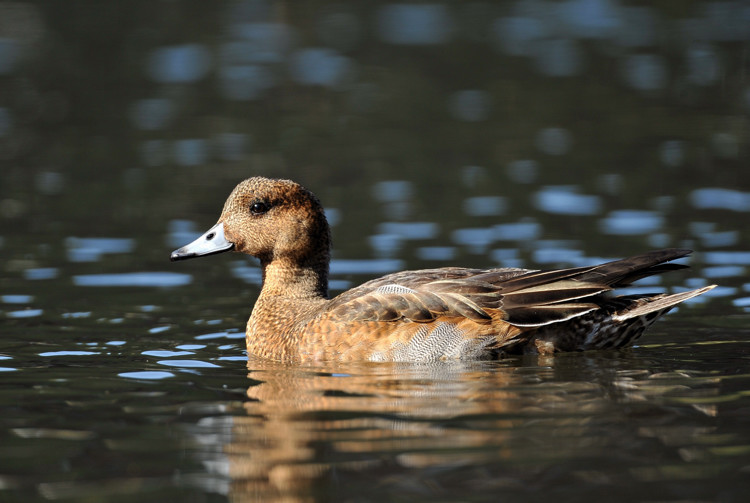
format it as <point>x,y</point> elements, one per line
<point>295,280</point>
<point>291,293</point>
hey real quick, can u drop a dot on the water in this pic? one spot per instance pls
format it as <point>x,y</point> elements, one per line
<point>518,133</point>
<point>163,415</point>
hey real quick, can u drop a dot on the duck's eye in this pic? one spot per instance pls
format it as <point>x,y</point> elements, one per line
<point>259,207</point>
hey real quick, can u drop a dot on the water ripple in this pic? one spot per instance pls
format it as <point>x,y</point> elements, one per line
<point>16,299</point>
<point>25,313</point>
<point>565,200</point>
<point>187,363</point>
<point>69,353</point>
<point>631,222</point>
<point>150,279</point>
<point>723,199</point>
<point>147,374</point>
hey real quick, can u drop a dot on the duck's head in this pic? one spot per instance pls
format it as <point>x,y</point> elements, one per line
<point>269,219</point>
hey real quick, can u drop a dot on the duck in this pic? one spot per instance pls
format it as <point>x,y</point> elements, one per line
<point>429,315</point>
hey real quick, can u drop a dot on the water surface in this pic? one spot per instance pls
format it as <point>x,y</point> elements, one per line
<point>517,134</point>
<point>160,417</point>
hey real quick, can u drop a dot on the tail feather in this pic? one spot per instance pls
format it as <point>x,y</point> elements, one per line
<point>540,298</point>
<point>623,272</point>
<point>659,303</point>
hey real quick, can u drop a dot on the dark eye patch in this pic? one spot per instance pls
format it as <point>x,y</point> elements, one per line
<point>259,207</point>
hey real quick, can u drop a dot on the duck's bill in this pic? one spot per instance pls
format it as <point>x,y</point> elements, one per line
<point>210,243</point>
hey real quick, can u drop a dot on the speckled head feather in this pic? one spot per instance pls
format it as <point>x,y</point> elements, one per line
<point>279,221</point>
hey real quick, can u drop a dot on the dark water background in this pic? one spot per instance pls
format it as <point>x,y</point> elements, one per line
<point>518,133</point>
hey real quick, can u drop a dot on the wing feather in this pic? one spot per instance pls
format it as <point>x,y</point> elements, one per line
<point>518,296</point>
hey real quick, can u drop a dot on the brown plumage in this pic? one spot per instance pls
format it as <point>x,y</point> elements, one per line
<point>425,315</point>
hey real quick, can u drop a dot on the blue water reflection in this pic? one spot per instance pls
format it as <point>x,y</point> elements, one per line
<point>565,200</point>
<point>165,353</point>
<point>245,82</point>
<point>727,257</point>
<point>141,279</point>
<point>68,353</point>
<point>187,364</point>
<point>414,24</point>
<point>557,256</point>
<point>477,240</point>
<point>16,299</point>
<point>507,257</point>
<point>720,198</point>
<point>221,335</point>
<point>180,232</point>
<point>704,65</point>
<point>389,191</point>
<point>517,36</point>
<point>192,347</point>
<point>40,273</point>
<point>672,153</point>
<point>25,313</point>
<point>320,66</point>
<point>724,271</point>
<point>366,266</point>
<point>645,72</point>
<point>179,64</point>
<point>525,230</point>
<point>437,253</point>
<point>91,249</point>
<point>385,245</point>
<point>597,19</point>
<point>147,374</point>
<point>720,239</point>
<point>410,230</point>
<point>191,151</point>
<point>247,272</point>
<point>631,222</point>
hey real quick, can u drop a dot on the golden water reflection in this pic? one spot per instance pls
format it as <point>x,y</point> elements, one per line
<point>361,416</point>
<point>421,429</point>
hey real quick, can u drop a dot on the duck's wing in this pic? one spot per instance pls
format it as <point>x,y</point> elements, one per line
<point>477,301</point>
<point>414,279</point>
<point>516,296</point>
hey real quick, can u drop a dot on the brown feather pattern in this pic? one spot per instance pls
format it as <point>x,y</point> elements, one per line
<point>423,315</point>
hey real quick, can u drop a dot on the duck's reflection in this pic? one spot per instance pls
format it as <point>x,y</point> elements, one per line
<point>324,433</point>
<point>306,427</point>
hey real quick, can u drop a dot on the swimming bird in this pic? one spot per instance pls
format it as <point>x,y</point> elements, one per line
<point>422,315</point>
